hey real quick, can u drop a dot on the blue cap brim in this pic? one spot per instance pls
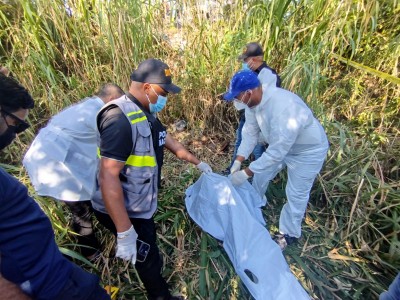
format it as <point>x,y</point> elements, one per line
<point>228,96</point>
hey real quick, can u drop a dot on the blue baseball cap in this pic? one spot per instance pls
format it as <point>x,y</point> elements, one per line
<point>242,81</point>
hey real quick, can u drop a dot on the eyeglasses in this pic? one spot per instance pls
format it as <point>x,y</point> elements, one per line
<point>20,125</point>
<point>241,98</point>
<point>163,92</point>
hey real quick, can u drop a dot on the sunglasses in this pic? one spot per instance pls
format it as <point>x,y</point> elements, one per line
<point>20,126</point>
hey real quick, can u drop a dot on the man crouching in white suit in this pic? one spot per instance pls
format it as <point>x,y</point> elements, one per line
<point>296,140</point>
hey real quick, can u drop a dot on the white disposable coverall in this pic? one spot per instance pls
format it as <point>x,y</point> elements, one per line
<point>296,139</point>
<point>232,214</point>
<point>61,162</point>
<point>267,78</point>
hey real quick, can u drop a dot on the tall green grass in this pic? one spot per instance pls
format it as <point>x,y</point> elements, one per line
<point>341,57</point>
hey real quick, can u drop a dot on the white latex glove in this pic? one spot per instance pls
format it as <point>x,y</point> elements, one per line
<point>236,166</point>
<point>202,166</point>
<point>238,178</point>
<point>126,245</point>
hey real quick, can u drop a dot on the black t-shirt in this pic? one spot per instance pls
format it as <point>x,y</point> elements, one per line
<point>115,134</point>
<point>158,133</point>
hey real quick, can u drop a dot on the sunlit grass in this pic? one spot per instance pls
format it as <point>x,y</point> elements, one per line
<point>341,57</point>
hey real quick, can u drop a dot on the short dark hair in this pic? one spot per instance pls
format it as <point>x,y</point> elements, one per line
<point>14,96</point>
<point>109,89</point>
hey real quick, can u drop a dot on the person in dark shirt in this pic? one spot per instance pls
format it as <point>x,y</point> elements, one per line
<point>252,58</point>
<point>29,256</point>
<point>132,141</point>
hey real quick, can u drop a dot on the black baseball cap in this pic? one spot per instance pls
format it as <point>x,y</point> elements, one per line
<point>155,71</point>
<point>251,49</point>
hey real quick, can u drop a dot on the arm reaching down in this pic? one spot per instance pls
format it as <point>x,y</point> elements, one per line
<point>113,197</point>
<point>182,153</point>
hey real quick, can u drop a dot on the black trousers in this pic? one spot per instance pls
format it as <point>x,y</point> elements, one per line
<point>150,269</point>
<point>82,213</point>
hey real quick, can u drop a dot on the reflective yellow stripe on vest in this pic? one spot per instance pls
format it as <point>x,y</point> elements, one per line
<point>141,161</point>
<point>136,116</point>
<point>137,160</point>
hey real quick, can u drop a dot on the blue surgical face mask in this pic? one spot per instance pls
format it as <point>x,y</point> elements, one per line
<point>159,105</point>
<point>245,66</point>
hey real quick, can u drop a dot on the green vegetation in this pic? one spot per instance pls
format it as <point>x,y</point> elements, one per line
<point>342,57</point>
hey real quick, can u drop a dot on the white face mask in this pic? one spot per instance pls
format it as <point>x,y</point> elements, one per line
<point>238,105</point>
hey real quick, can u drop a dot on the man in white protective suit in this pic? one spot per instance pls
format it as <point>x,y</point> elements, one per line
<point>62,162</point>
<point>296,140</point>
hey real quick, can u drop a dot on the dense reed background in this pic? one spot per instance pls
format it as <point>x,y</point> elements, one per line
<point>340,56</point>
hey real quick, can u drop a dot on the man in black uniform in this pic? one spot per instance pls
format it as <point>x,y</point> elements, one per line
<point>132,141</point>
